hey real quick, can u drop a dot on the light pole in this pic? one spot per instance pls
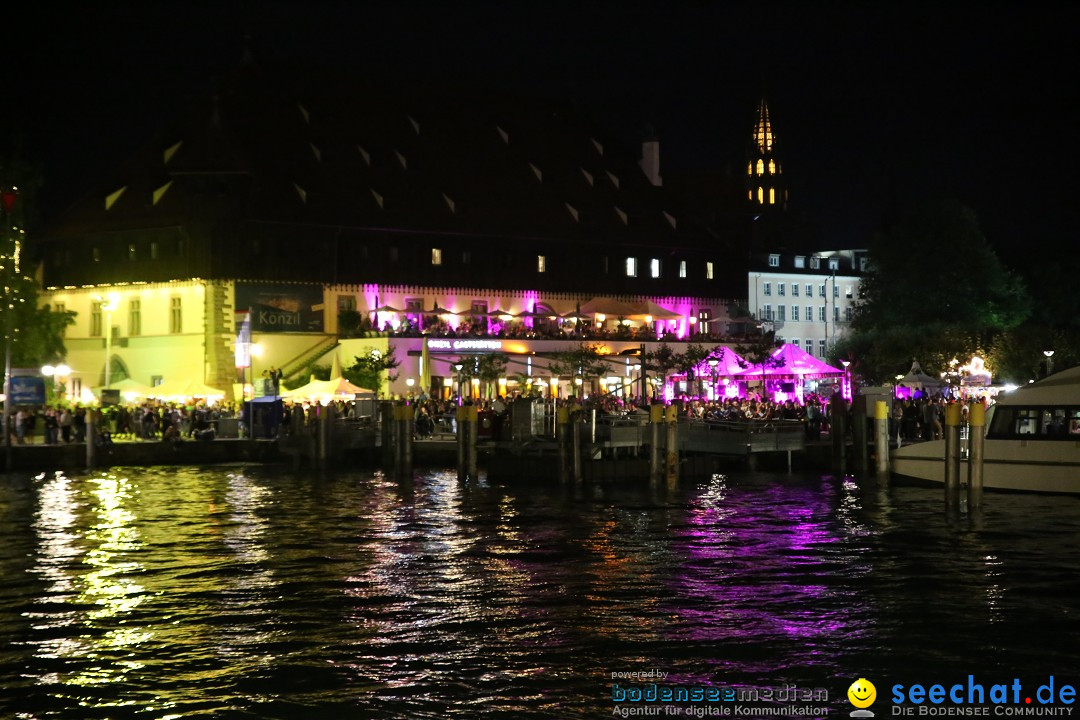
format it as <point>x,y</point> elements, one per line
<point>845,390</point>
<point>1049,361</point>
<point>458,367</point>
<point>713,362</point>
<point>108,304</point>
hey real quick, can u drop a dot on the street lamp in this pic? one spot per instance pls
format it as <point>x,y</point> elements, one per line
<point>410,382</point>
<point>108,304</point>
<point>1049,361</point>
<point>845,389</point>
<point>713,362</point>
<point>458,367</point>
<point>57,373</point>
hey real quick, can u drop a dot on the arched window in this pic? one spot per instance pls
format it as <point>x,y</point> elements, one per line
<point>750,168</point>
<point>760,167</point>
<point>772,196</point>
<point>772,167</point>
<point>761,195</point>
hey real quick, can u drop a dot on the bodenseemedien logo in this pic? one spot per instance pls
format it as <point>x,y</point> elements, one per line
<point>862,694</point>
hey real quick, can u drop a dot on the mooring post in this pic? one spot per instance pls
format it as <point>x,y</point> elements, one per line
<point>838,432</point>
<point>408,421</point>
<point>575,442</point>
<point>562,424</point>
<point>461,436</point>
<point>881,435</point>
<point>976,438</point>
<point>656,419</point>
<point>472,421</point>
<point>671,415</point>
<point>91,438</point>
<point>952,455</point>
<point>386,429</point>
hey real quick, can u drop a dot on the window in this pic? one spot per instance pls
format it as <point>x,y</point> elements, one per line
<point>761,196</point>
<point>682,268</point>
<point>809,346</point>
<point>800,261</point>
<point>849,313</point>
<point>863,264</point>
<point>815,263</point>
<point>631,267</point>
<point>835,291</point>
<point>135,318</point>
<point>809,313</point>
<point>654,268</point>
<point>821,348</point>
<point>821,314</point>
<point>132,253</point>
<point>704,317</point>
<point>836,314</point>
<point>848,292</point>
<point>760,167</point>
<point>781,288</point>
<point>821,290</point>
<point>774,261</point>
<point>709,270</point>
<point>809,290</point>
<point>794,314</point>
<point>541,263</point>
<point>436,256</point>
<point>766,288</point>
<point>794,289</point>
<point>414,305</point>
<point>772,167</point>
<point>781,313</point>
<point>95,319</point>
<point>479,307</point>
<point>766,312</point>
<point>346,303</point>
<point>834,263</point>
<point>794,341</point>
<point>176,315</point>
<point>772,196</point>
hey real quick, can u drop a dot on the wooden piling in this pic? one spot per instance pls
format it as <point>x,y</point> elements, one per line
<point>91,438</point>
<point>575,443</point>
<point>562,437</point>
<point>408,420</point>
<point>461,436</point>
<point>881,438</point>
<point>656,419</point>
<point>952,455</point>
<point>976,439</point>
<point>671,416</point>
<point>472,422</point>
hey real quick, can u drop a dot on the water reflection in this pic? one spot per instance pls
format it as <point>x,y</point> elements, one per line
<point>251,593</point>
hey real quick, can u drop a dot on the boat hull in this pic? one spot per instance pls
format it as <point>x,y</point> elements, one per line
<point>1018,465</point>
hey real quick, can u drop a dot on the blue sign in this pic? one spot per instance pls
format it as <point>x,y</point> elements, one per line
<point>27,390</point>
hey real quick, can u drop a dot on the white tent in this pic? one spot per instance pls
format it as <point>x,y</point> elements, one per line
<point>334,389</point>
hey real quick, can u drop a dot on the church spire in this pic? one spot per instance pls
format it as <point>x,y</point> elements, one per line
<point>764,174</point>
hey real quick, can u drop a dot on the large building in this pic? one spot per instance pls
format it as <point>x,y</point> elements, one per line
<point>350,209</point>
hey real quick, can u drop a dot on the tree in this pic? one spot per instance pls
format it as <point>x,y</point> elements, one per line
<point>935,290</point>
<point>368,370</point>
<point>586,361</point>
<point>486,368</point>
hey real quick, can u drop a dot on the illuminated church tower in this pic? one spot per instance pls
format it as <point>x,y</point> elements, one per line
<point>765,184</point>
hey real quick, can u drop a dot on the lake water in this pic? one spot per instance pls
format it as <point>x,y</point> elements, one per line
<point>257,593</point>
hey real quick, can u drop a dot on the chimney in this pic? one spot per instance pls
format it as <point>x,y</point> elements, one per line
<point>650,158</point>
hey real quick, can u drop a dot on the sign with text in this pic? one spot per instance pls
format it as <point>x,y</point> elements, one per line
<point>282,308</point>
<point>463,345</point>
<point>27,390</point>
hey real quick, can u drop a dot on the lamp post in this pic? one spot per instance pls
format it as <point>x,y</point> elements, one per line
<point>713,362</point>
<point>458,367</point>
<point>846,389</point>
<point>410,382</point>
<point>57,373</point>
<point>108,304</point>
<point>1049,361</point>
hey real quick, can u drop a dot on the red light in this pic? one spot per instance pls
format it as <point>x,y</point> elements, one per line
<point>9,198</point>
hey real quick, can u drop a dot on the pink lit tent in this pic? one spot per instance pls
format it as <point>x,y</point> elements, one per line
<point>791,363</point>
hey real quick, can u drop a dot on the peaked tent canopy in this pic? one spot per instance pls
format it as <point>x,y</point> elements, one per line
<point>185,388</point>
<point>337,388</point>
<point>917,379</point>
<point>789,362</point>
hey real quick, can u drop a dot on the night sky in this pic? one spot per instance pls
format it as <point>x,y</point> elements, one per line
<point>876,107</point>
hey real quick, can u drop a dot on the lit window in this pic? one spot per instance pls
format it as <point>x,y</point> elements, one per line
<point>708,270</point>
<point>760,167</point>
<point>541,263</point>
<point>848,292</point>
<point>834,264</point>
<point>176,316</point>
<point>436,256</point>
<point>772,196</point>
<point>750,168</point>
<point>346,303</point>
<point>466,257</point>
<point>774,261</point>
<point>682,268</point>
<point>135,317</point>
<point>766,288</point>
<point>631,267</point>
<point>800,261</point>
<point>95,319</point>
<point>761,195</point>
<point>654,267</point>
<point>772,167</point>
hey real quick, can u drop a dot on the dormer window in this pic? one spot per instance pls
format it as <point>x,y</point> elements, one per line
<point>800,261</point>
<point>834,264</point>
<point>815,263</point>
<point>774,261</point>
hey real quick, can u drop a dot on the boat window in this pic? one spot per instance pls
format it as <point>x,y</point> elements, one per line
<point>1027,422</point>
<point>1045,422</point>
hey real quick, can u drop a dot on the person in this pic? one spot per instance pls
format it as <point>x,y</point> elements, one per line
<point>22,420</point>
<point>65,425</point>
<point>275,380</point>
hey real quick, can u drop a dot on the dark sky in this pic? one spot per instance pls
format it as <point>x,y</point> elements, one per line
<point>876,107</point>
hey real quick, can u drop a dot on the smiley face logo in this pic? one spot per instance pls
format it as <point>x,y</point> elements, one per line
<point>862,693</point>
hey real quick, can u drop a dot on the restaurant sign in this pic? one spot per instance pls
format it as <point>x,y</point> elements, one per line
<point>282,308</point>
<point>463,345</point>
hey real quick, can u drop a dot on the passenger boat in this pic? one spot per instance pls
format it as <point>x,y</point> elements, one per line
<point>1032,441</point>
